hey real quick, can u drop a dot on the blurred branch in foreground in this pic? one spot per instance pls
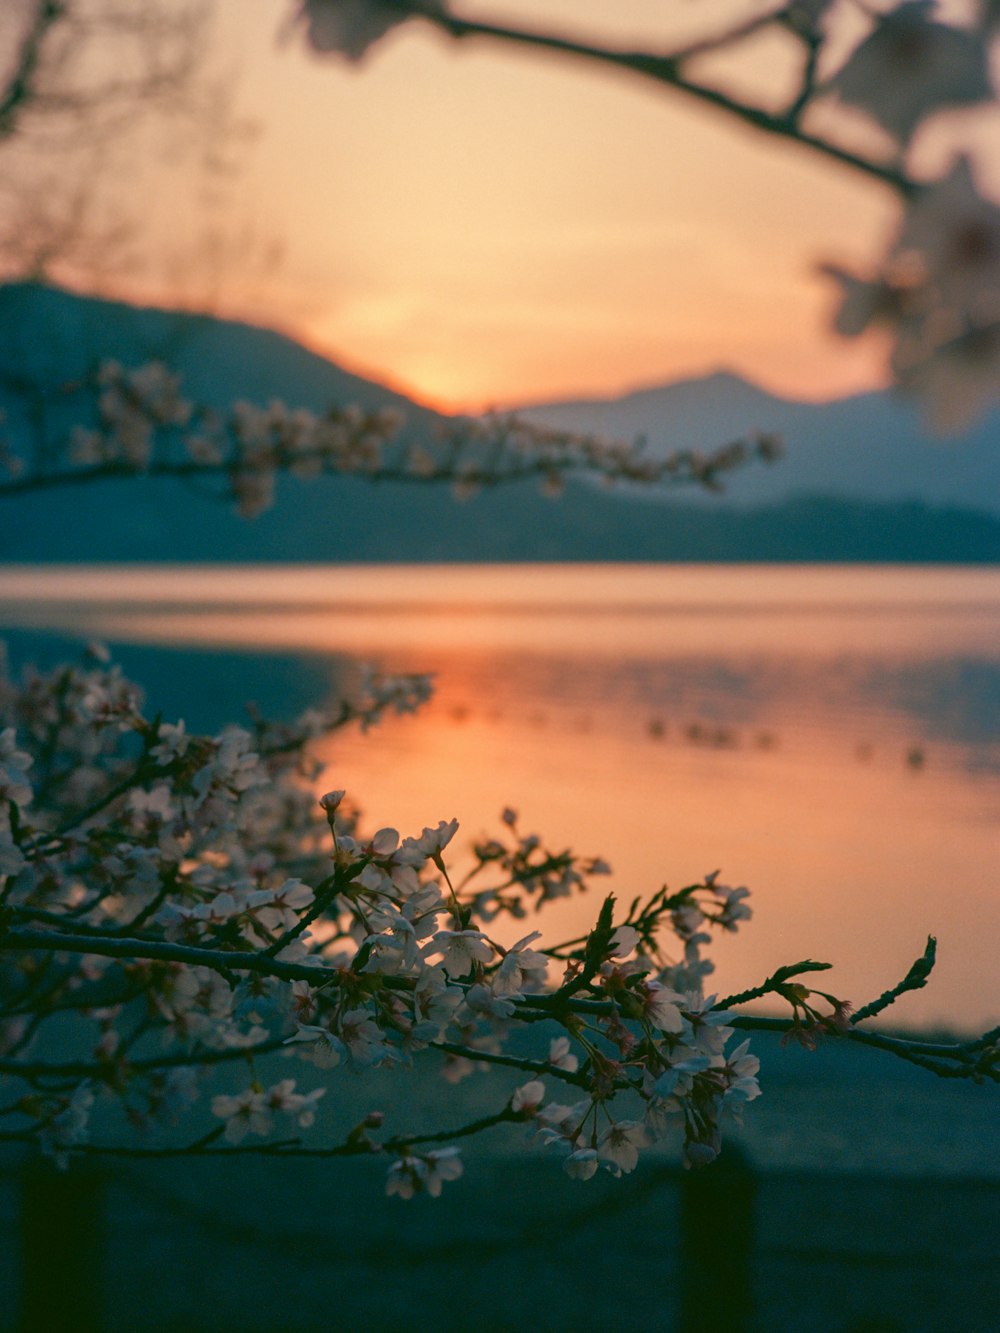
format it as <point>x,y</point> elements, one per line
<point>861,99</point>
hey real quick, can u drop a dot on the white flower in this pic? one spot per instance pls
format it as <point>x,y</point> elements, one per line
<point>742,1069</point>
<point>528,1097</point>
<point>385,842</point>
<point>705,1027</point>
<point>203,449</point>
<point>300,1106</point>
<point>959,380</point>
<point>563,1121</point>
<point>910,66</point>
<point>173,742</point>
<point>938,293</point>
<point>699,1152</point>
<point>620,1143</point>
<point>433,841</point>
<point>317,1045</point>
<point>396,952</point>
<point>460,949</point>
<point>677,1080</point>
<point>484,1000</point>
<point>623,941</point>
<point>687,920</point>
<point>157,801</point>
<point>953,234</point>
<point>362,1037</point>
<point>582,1164</point>
<point>278,910</point>
<point>434,1004</point>
<point>661,1006</point>
<point>426,1173</point>
<point>442,1164</point>
<point>233,767</point>
<point>865,303</point>
<point>734,909</point>
<point>560,1056</point>
<point>521,968</point>
<point>246,1113</point>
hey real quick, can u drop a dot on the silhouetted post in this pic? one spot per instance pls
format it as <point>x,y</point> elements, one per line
<point>61,1242</point>
<point>717,1242</point>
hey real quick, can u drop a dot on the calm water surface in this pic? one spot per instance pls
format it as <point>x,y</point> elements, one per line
<point>828,736</point>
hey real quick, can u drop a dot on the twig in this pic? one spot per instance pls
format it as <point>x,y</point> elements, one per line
<point>915,979</point>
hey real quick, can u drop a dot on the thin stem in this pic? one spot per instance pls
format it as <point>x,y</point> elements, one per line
<point>446,1135</point>
<point>162,950</point>
<point>915,979</point>
<point>99,1069</point>
<point>539,1067</point>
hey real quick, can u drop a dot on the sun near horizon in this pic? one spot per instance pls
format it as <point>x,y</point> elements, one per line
<point>478,227</point>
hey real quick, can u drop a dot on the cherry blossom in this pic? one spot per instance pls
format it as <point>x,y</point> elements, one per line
<point>910,66</point>
<point>618,1147</point>
<point>939,294</point>
<point>958,379</point>
<point>528,1098</point>
<point>950,236</point>
<point>424,1174</point>
<point>661,1007</point>
<point>581,1164</point>
<point>347,27</point>
<point>460,950</point>
<point>521,967</point>
<point>318,1045</point>
<point>245,1113</point>
<point>561,1055</point>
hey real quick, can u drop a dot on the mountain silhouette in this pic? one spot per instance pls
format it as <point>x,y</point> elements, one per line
<point>861,481</point>
<point>866,447</point>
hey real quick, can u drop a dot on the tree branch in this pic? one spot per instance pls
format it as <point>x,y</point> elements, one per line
<point>19,91</point>
<point>667,70</point>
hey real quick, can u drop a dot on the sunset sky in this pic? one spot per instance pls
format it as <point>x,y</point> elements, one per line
<point>480,226</point>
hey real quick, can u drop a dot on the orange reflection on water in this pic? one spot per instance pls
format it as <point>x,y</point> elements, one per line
<point>638,609</point>
<point>852,837</point>
<point>830,737</point>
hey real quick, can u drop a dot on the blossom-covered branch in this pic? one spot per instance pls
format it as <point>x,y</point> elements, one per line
<point>931,64</point>
<point>139,424</point>
<point>175,906</point>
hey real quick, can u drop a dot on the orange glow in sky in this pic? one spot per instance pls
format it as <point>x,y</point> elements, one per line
<point>480,226</point>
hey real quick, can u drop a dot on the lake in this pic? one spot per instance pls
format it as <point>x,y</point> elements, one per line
<point>828,736</point>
